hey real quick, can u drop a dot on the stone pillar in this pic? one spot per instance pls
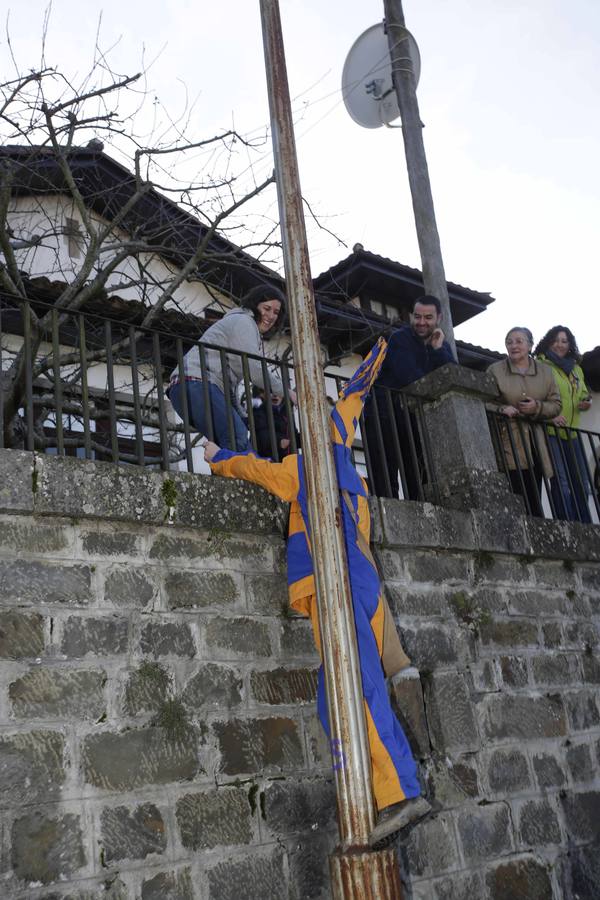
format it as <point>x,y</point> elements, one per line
<point>465,469</point>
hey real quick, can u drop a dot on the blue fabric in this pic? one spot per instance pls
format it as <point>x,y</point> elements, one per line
<point>366,598</point>
<point>365,587</point>
<point>224,454</point>
<point>299,561</point>
<point>302,496</point>
<point>409,358</point>
<point>570,484</point>
<point>198,418</point>
<point>348,478</point>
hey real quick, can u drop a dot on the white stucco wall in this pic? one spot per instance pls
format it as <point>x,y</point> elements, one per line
<point>61,252</point>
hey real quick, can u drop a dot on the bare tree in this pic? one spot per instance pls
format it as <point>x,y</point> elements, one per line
<point>98,206</point>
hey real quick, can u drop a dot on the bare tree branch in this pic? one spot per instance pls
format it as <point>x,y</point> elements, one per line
<point>99,92</point>
<point>144,226</point>
<point>13,274</point>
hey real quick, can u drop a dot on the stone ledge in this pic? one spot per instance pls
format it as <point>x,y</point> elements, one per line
<point>16,481</point>
<point>410,523</point>
<point>563,540</point>
<point>413,524</point>
<point>453,379</point>
<point>85,489</point>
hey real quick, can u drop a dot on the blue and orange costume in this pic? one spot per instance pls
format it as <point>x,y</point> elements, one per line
<point>394,770</point>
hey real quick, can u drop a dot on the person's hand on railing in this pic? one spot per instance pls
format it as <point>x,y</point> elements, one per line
<point>528,406</point>
<point>293,397</point>
<point>559,420</point>
<point>510,411</point>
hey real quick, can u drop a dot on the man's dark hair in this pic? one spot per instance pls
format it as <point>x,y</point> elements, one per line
<point>428,300</point>
<point>549,338</point>
<point>260,294</point>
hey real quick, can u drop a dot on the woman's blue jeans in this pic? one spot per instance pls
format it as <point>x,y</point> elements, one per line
<point>570,485</point>
<point>218,408</point>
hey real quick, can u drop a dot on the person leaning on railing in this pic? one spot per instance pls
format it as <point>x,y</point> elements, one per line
<point>528,395</point>
<point>242,329</point>
<point>570,485</point>
<point>415,350</point>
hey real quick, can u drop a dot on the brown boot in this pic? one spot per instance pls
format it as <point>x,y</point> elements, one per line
<point>393,819</point>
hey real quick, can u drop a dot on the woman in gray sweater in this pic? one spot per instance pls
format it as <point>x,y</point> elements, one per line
<point>243,329</point>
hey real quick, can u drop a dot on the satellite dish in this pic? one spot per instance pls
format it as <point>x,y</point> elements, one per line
<point>367,86</point>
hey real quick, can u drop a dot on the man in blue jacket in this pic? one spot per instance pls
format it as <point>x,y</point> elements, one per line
<point>413,351</point>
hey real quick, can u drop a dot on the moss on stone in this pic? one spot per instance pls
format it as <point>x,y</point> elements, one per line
<point>218,541</point>
<point>172,716</point>
<point>168,492</point>
<point>468,612</point>
<point>154,675</point>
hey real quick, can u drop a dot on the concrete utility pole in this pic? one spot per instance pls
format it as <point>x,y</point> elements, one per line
<point>356,872</point>
<point>434,278</point>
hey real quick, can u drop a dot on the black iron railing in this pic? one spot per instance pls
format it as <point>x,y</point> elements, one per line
<point>81,384</point>
<point>397,447</point>
<point>96,387</point>
<point>554,469</point>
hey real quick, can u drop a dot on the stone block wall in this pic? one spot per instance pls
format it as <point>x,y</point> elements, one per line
<point>158,738</point>
<point>157,731</point>
<point>501,620</point>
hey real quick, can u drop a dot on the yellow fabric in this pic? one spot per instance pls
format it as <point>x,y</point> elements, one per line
<point>378,623</point>
<point>280,479</point>
<point>302,594</point>
<point>386,784</point>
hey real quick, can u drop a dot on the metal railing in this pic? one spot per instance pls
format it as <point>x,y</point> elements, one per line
<point>554,469</point>
<point>97,388</point>
<point>397,447</point>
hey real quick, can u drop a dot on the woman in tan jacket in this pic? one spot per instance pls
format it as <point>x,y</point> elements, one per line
<point>528,395</point>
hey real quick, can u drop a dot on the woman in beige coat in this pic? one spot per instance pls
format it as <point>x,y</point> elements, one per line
<point>528,395</point>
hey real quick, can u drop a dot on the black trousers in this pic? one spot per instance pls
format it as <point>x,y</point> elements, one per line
<point>392,454</point>
<point>530,488</point>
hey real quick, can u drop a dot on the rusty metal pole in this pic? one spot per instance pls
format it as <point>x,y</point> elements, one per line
<point>357,873</point>
<point>432,264</point>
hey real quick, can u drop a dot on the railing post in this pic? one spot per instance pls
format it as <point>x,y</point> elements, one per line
<point>465,469</point>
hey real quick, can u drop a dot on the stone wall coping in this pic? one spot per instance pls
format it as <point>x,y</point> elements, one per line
<point>45,485</point>
<point>456,380</point>
<point>407,523</point>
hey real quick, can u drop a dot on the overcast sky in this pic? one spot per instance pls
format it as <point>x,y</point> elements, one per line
<point>508,94</point>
